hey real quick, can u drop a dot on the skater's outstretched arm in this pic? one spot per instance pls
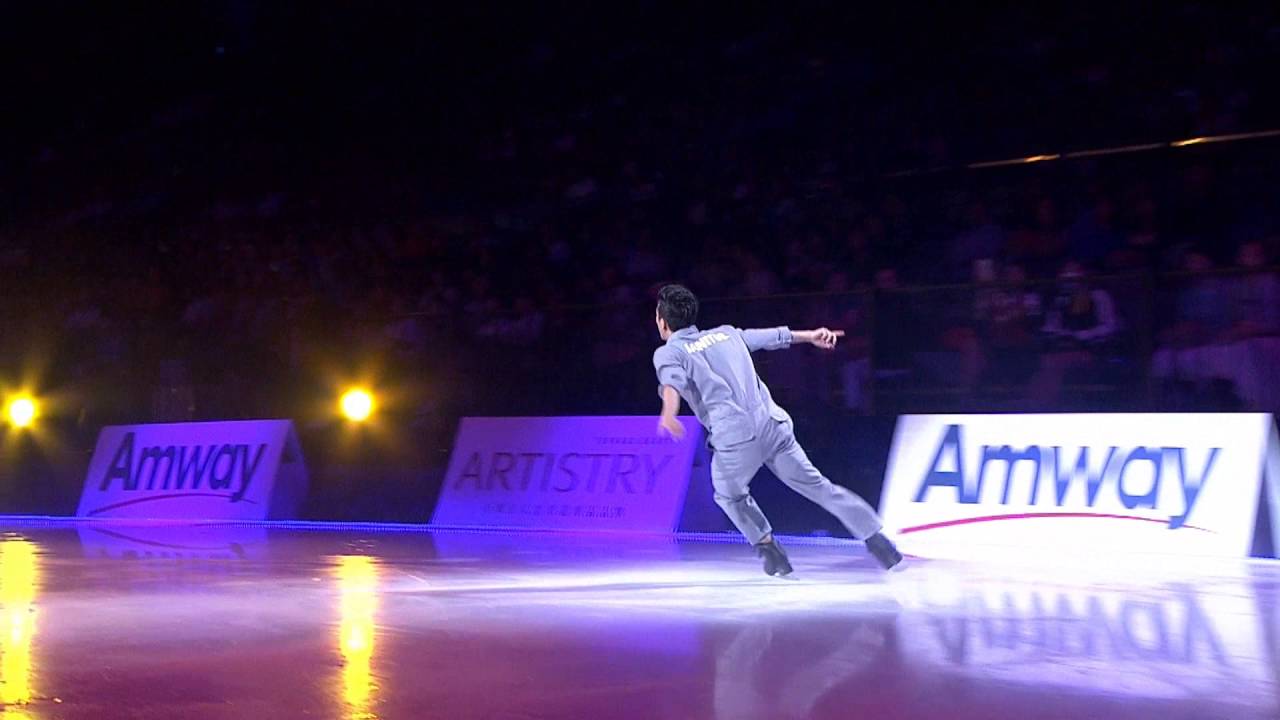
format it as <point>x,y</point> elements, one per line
<point>822,337</point>
<point>782,337</point>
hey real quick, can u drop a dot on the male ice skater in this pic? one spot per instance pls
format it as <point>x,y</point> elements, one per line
<point>712,370</point>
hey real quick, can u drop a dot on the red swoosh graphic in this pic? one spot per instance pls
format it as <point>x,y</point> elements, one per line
<point>171,496</point>
<point>1029,516</point>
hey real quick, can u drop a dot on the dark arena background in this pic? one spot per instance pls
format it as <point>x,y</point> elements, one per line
<point>327,338</point>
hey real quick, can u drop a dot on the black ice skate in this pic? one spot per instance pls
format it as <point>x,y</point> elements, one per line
<point>883,550</point>
<point>775,558</point>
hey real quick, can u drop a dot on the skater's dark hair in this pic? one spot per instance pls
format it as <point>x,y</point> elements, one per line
<point>678,306</point>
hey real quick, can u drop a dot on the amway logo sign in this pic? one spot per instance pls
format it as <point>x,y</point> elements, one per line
<point>1160,463</point>
<point>184,467</point>
<point>1115,482</point>
<point>242,470</point>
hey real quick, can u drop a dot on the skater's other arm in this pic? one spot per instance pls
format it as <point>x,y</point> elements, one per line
<point>668,423</point>
<point>781,337</point>
<point>672,378</point>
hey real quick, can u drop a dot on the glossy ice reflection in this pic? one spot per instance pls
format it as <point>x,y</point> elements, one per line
<point>19,582</point>
<point>217,622</point>
<point>358,584</point>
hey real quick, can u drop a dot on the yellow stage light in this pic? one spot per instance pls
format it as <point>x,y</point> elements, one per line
<point>22,411</point>
<point>357,405</point>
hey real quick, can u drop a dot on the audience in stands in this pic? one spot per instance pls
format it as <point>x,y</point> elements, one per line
<point>1223,347</point>
<point>1081,324</point>
<point>528,243</point>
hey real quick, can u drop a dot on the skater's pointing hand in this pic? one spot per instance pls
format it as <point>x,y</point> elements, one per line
<point>826,338</point>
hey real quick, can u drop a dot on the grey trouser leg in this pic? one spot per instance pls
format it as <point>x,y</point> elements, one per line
<point>731,472</point>
<point>788,461</point>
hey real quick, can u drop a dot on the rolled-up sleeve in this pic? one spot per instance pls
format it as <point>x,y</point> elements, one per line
<point>767,338</point>
<point>669,364</point>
